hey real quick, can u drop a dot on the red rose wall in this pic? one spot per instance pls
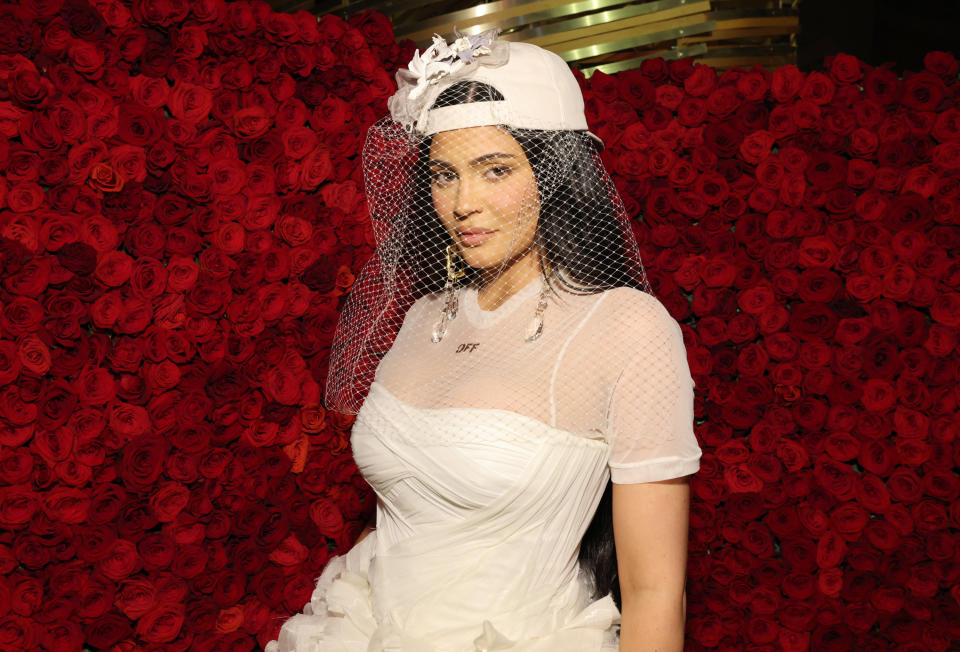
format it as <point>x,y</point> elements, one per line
<point>181,210</point>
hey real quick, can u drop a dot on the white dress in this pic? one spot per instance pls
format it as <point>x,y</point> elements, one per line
<point>488,462</point>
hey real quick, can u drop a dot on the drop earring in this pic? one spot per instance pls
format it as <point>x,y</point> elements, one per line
<point>535,327</point>
<point>455,271</point>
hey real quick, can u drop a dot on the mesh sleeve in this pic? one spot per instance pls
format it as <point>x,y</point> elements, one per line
<point>650,420</point>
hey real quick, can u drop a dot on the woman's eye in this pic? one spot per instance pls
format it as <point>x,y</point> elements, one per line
<point>442,177</point>
<point>498,171</point>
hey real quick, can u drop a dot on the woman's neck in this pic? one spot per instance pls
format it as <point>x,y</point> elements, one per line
<point>497,286</point>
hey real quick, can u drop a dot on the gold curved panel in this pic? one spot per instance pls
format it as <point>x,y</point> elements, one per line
<point>607,35</point>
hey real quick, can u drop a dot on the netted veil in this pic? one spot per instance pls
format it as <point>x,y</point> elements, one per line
<point>485,189</point>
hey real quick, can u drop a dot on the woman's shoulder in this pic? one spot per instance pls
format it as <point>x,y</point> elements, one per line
<point>423,303</point>
<point>633,302</point>
<point>631,312</point>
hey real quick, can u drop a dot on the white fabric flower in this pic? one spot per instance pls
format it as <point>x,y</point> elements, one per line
<point>439,61</point>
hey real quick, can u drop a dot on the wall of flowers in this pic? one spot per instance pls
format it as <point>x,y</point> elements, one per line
<point>181,211</point>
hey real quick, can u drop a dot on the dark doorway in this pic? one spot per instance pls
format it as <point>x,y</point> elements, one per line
<point>878,31</point>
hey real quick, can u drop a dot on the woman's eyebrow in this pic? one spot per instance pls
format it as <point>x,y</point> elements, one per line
<point>494,155</point>
<point>480,160</point>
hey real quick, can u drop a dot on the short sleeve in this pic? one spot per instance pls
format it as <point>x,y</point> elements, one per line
<point>650,415</point>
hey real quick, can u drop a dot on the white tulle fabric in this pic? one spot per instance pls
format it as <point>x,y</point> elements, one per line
<point>488,472</point>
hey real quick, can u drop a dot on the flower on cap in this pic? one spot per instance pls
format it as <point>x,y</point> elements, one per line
<point>441,61</point>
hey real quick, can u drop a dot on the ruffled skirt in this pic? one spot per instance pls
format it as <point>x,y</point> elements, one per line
<point>340,618</point>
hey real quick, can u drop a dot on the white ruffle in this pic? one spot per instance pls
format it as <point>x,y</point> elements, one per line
<point>340,618</point>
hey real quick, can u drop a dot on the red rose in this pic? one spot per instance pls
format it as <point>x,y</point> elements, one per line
<point>32,277</point>
<point>21,316</point>
<point>162,623</point>
<point>207,297</point>
<point>169,500</point>
<point>923,91</point>
<point>723,102</point>
<point>712,187</point>
<point>120,561</point>
<point>16,466</point>
<point>845,69</point>
<point>149,91</point>
<point>191,560</point>
<point>921,180</point>
<point>327,517</point>
<point>661,161</point>
<point>817,251</point>
<point>770,173</point>
<point>786,83</point>
<point>148,278</point>
<point>24,197</point>
<point>107,630</point>
<point>86,58</point>
<point>214,462</point>
<point>34,355</point>
<point>66,505</point>
<point>942,64</point>
<point>182,273</point>
<point>189,102</point>
<point>375,27</point>
<point>157,551</point>
<point>826,171</point>
<point>722,139</point>
<point>701,81</point>
<point>17,506</point>
<point>130,162</point>
<point>142,462</point>
<point>30,89</point>
<point>229,208</point>
<point>98,598</point>
<point>17,411</point>
<point>947,156</point>
<point>227,177</point>
<point>251,122</point>
<point>817,88</point>
<point>740,479</point>
<point>95,542</point>
<point>290,552</point>
<point>114,268</point>
<point>82,158</point>
<point>756,146</point>
<point>19,633</point>
<point>230,238</point>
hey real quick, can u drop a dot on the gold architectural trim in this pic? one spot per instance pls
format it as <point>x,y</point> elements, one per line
<point>594,23</point>
<point>628,64</point>
<point>626,39</point>
<point>593,10</point>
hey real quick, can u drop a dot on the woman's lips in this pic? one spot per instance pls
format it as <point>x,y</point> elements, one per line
<point>472,238</point>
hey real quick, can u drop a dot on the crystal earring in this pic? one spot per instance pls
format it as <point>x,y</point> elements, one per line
<point>455,271</point>
<point>535,327</point>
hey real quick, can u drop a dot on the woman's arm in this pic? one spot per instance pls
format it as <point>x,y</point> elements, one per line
<point>368,528</point>
<point>651,521</point>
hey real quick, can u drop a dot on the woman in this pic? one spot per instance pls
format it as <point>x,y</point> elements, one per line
<point>506,360</point>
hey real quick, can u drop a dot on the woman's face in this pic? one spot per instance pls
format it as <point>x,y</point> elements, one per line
<point>485,194</point>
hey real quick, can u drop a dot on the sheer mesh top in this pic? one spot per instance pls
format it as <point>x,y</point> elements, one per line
<point>610,365</point>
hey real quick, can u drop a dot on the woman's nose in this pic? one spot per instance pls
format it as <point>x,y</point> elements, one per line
<point>468,199</point>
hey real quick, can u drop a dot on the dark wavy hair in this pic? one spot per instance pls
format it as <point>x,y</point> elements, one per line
<point>579,229</point>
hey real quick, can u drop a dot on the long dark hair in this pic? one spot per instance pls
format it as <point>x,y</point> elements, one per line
<point>580,230</point>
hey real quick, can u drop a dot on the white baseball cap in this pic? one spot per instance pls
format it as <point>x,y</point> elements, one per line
<point>539,90</point>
